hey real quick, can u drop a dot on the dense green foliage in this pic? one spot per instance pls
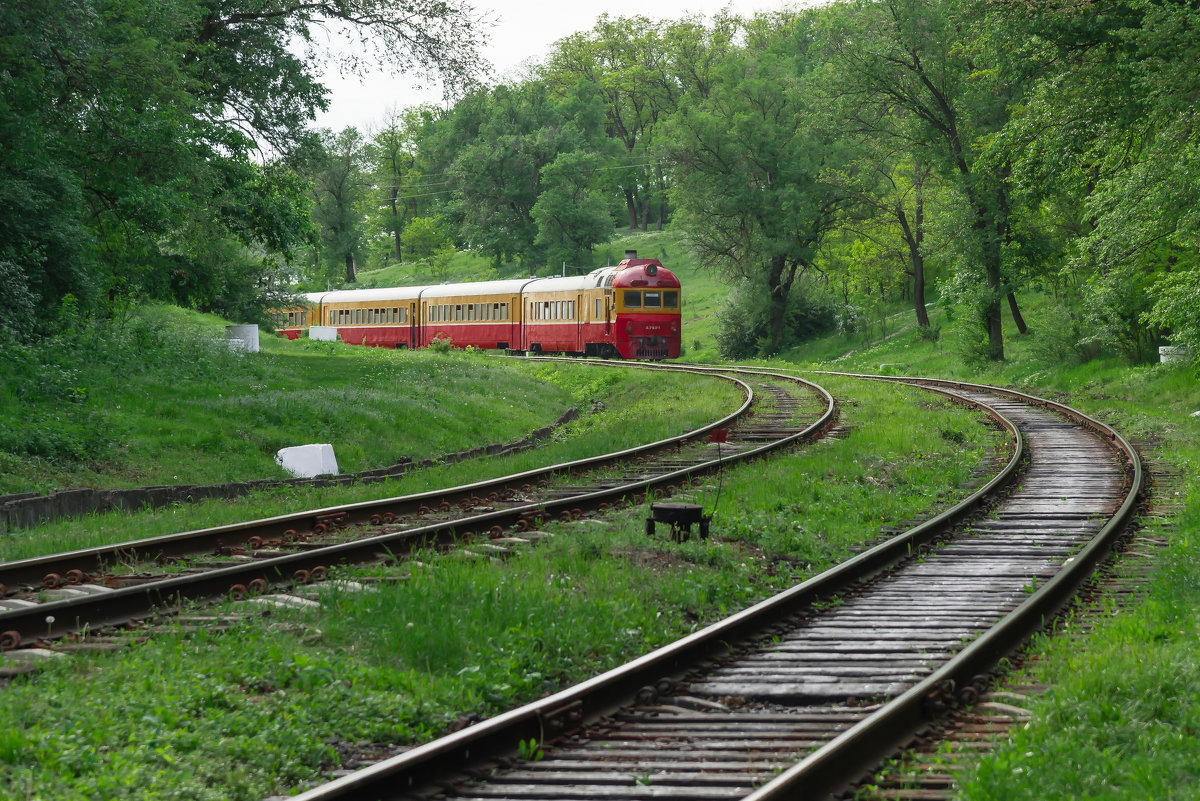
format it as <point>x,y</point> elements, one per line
<point>144,144</point>
<point>844,157</point>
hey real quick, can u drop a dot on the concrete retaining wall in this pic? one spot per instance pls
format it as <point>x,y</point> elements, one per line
<point>29,509</point>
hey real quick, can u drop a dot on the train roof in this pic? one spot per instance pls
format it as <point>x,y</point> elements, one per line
<point>510,286</point>
<point>630,272</point>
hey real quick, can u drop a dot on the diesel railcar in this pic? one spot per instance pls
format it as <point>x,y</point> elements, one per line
<point>630,311</point>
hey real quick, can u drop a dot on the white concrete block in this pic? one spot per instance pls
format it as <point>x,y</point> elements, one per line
<point>248,334</point>
<point>308,461</point>
<point>323,333</point>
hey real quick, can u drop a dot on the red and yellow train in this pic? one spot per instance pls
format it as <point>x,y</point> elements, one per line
<point>631,311</point>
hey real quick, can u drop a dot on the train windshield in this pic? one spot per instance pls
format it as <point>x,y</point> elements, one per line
<point>651,299</point>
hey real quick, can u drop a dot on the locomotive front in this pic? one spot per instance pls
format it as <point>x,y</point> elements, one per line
<point>648,302</point>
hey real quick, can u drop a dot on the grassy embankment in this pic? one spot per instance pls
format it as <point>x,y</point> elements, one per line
<point>223,416</point>
<point>274,702</point>
<point>155,401</point>
<point>1122,718</point>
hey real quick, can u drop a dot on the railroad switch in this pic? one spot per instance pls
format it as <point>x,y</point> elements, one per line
<point>681,517</point>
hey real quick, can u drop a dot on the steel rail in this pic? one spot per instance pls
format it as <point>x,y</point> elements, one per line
<point>236,535</point>
<point>433,762</point>
<point>851,755</point>
<point>57,618</point>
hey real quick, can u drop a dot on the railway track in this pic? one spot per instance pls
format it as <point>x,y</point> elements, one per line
<point>804,693</point>
<point>49,597</point>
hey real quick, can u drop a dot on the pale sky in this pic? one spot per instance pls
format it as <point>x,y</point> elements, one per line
<point>524,30</point>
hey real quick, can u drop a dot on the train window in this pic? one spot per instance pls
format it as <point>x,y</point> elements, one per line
<point>633,299</point>
<point>599,308</point>
<point>303,319</point>
<point>570,310</point>
<point>670,299</point>
<point>652,300</point>
<point>503,311</point>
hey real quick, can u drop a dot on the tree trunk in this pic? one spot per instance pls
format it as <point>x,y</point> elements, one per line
<point>351,273</point>
<point>631,207</point>
<point>1016,314</point>
<point>662,195</point>
<point>396,220</point>
<point>912,237</point>
<point>995,328</point>
<point>779,282</point>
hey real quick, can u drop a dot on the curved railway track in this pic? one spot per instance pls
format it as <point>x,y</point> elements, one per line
<point>48,597</point>
<point>800,695</point>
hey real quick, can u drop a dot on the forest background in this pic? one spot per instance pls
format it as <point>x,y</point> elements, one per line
<point>827,163</point>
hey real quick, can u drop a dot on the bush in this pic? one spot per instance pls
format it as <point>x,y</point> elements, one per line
<point>1177,308</point>
<point>744,321</point>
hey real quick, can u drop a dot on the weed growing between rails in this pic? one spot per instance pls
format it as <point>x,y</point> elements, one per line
<point>621,412</point>
<point>279,701</point>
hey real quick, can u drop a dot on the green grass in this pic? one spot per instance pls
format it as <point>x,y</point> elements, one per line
<point>636,408</point>
<point>272,704</point>
<point>155,401</point>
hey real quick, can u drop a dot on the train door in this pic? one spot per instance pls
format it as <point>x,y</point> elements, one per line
<point>608,312</point>
<point>412,326</point>
<point>579,323</point>
<point>516,339</point>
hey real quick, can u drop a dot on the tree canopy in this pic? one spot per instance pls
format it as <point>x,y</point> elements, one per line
<point>141,136</point>
<point>829,163</point>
